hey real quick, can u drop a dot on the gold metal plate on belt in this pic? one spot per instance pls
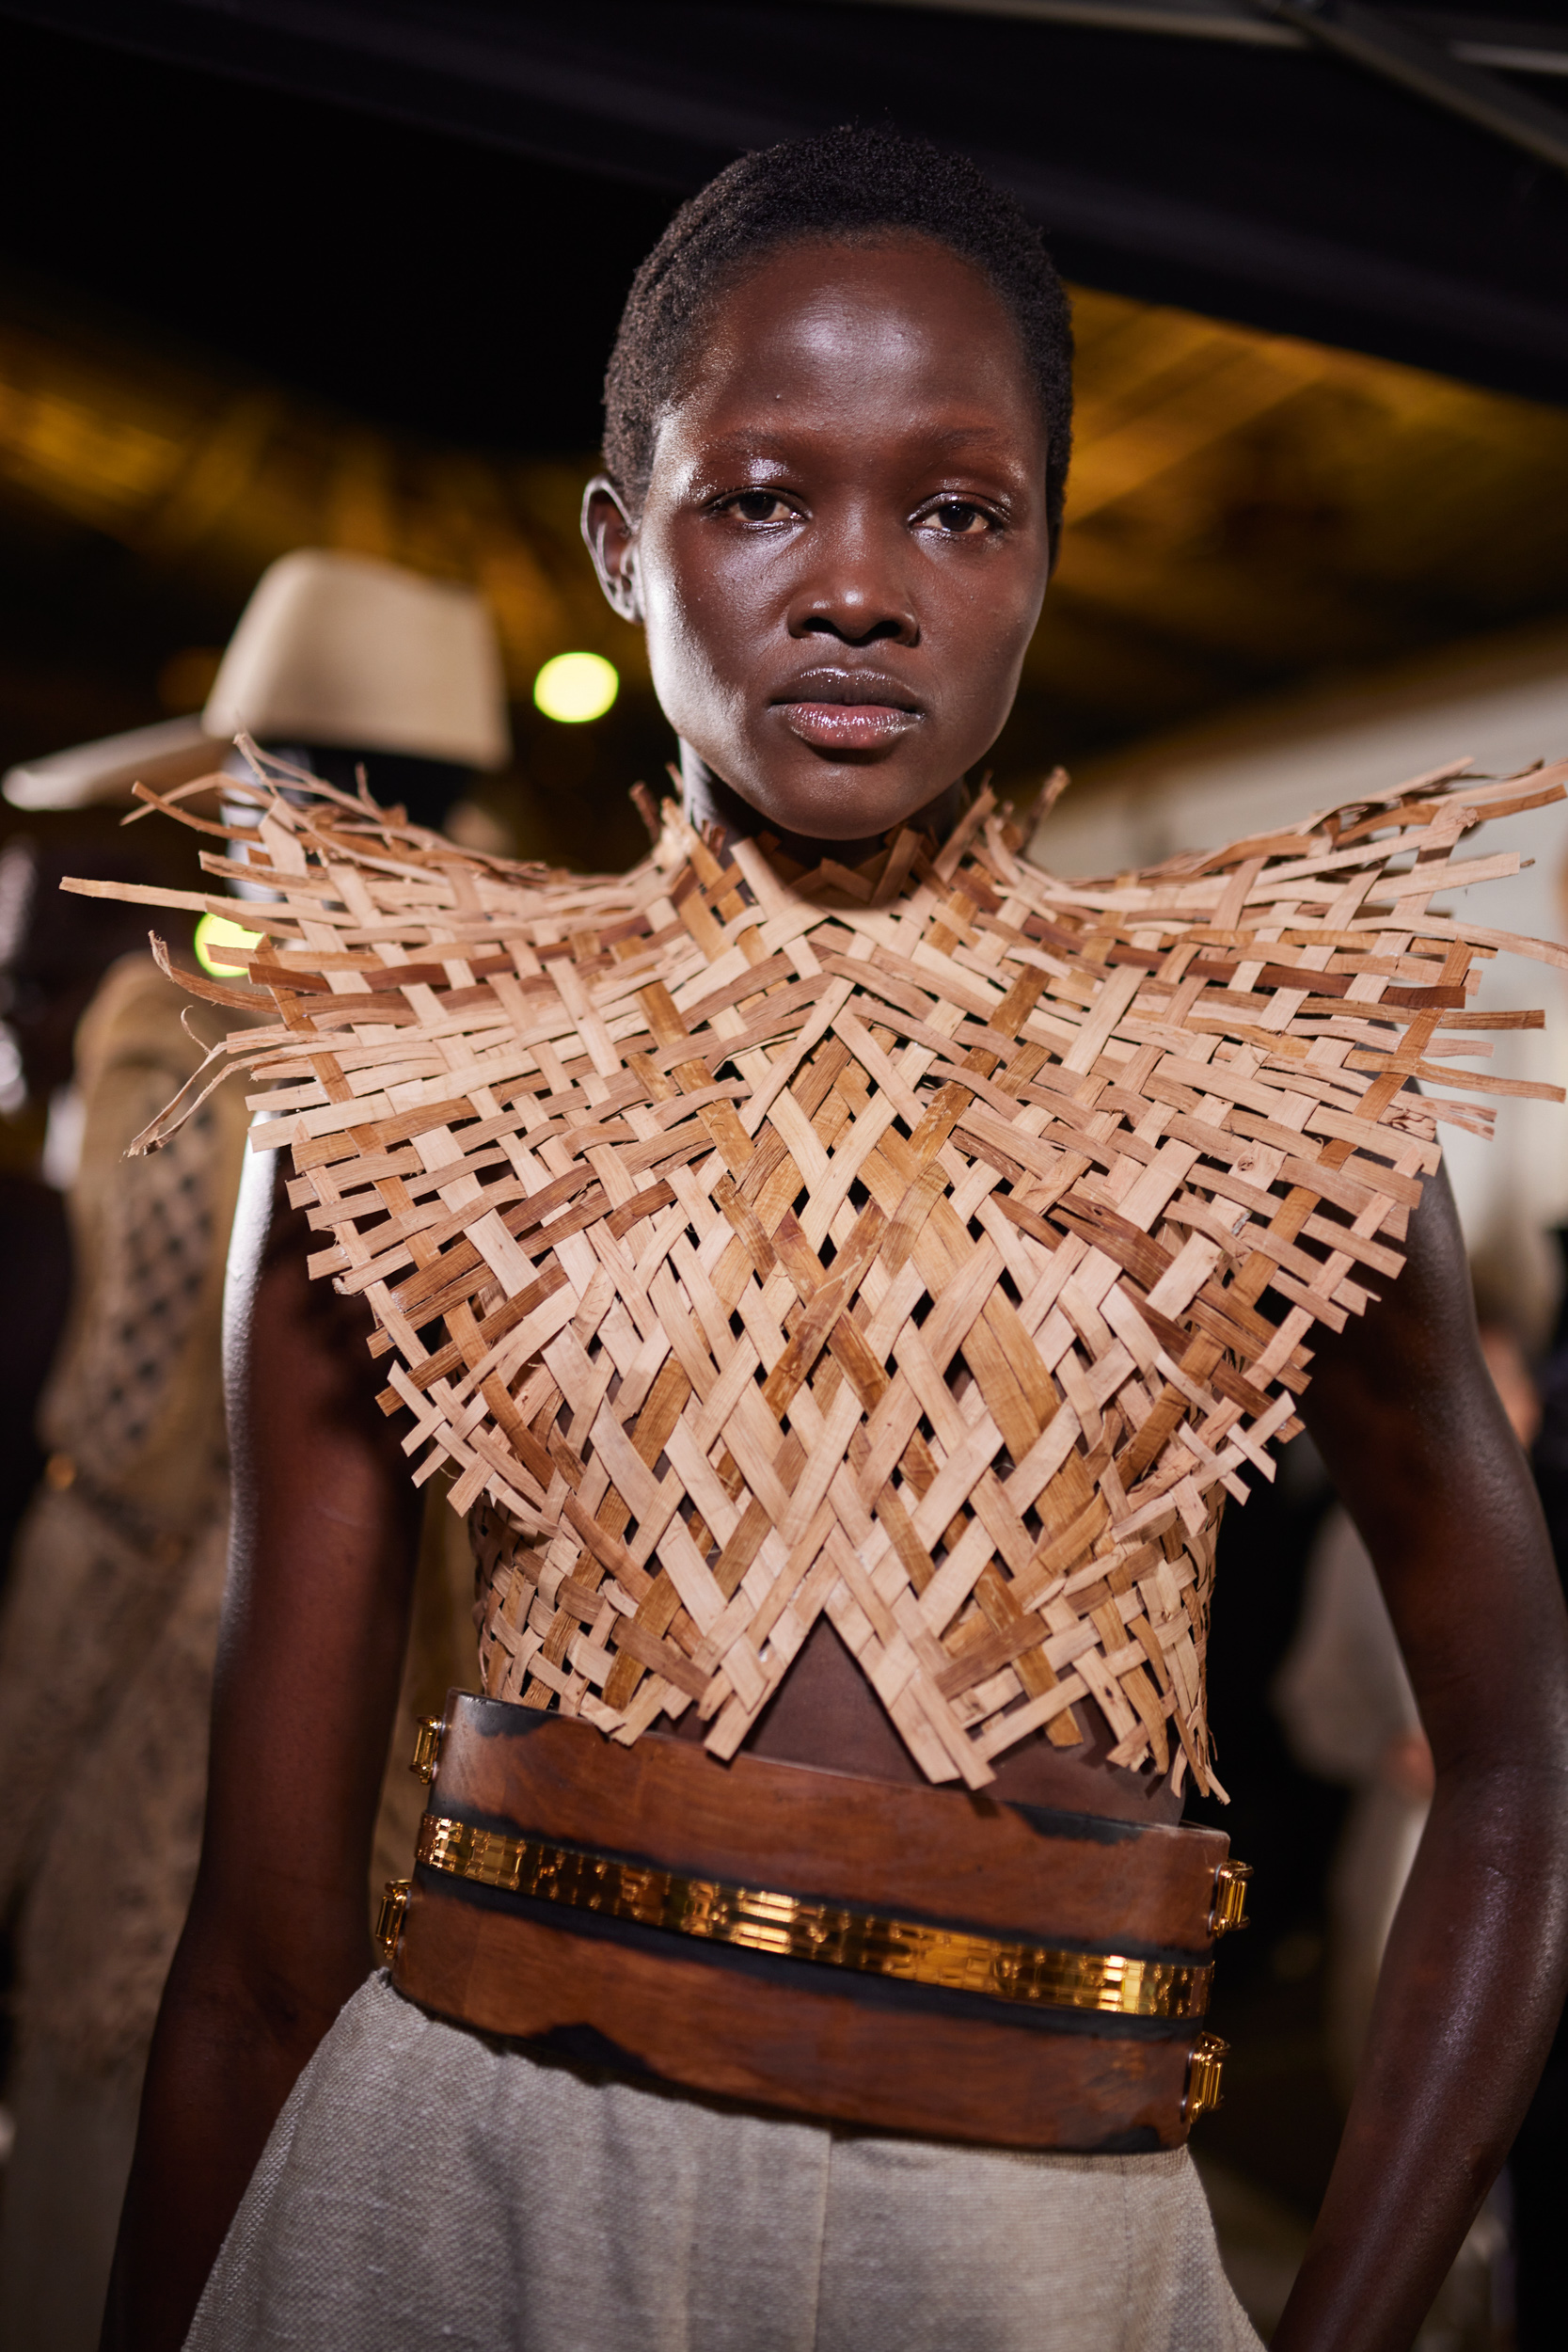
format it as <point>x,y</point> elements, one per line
<point>791,1926</point>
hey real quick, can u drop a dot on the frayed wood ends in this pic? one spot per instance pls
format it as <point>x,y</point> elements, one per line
<point>892,1243</point>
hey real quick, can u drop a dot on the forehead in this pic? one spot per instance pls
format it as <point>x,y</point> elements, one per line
<point>898,332</point>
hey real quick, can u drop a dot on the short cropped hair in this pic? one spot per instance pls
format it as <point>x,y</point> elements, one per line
<point>847,184</point>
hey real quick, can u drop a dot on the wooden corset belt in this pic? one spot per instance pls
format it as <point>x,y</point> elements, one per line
<point>889,1956</point>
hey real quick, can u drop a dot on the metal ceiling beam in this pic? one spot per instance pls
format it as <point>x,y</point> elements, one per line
<point>1446,71</point>
<point>1195,20</point>
<point>1517,46</point>
<point>1371,38</point>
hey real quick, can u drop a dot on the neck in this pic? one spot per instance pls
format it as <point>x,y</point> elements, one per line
<point>711,801</point>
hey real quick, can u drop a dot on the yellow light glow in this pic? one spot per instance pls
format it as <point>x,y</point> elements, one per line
<point>576,686</point>
<point>212,934</point>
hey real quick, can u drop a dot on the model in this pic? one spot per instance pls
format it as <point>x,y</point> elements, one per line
<point>843,1269</point>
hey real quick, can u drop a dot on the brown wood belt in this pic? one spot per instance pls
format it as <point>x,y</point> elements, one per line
<point>998,1973</point>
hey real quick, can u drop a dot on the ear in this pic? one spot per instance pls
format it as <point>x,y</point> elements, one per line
<point>611,537</point>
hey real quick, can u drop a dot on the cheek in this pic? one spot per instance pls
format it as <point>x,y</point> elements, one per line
<point>697,623</point>
<point>986,621</point>
<point>680,657</point>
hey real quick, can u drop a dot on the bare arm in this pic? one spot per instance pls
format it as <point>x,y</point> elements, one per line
<point>1405,1415</point>
<point>325,1533</point>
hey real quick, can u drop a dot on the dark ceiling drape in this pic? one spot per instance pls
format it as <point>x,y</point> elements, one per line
<point>1283,187</point>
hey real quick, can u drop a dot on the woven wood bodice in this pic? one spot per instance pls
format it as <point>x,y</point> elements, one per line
<point>932,1245</point>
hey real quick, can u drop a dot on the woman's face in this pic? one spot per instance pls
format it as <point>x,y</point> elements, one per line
<point>843,550</point>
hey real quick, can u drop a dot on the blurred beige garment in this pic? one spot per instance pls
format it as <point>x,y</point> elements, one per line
<point>106,1648</point>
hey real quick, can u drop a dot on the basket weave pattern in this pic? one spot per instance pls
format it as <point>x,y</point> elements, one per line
<point>890,1243</point>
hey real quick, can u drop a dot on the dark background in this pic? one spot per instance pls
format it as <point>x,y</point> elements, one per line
<point>421,220</point>
<point>1284,187</point>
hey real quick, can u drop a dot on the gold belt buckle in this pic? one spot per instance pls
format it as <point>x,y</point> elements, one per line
<point>390,1919</point>
<point>1228,1910</point>
<point>427,1747</point>
<point>1204,2070</point>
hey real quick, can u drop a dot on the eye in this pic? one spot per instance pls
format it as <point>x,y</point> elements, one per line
<point>957,519</point>
<point>758,506</point>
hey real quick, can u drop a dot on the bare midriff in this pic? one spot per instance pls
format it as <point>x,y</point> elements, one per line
<point>827,1714</point>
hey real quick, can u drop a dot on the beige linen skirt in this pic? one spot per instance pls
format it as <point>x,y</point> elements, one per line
<point>424,2187</point>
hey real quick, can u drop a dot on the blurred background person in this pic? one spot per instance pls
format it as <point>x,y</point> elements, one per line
<point>109,1627</point>
<point>54,952</point>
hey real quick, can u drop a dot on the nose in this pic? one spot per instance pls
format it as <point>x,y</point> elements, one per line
<point>856,591</point>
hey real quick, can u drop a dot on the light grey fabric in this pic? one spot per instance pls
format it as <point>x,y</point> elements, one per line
<point>424,2188</point>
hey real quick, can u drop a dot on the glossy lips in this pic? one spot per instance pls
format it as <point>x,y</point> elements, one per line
<point>848,711</point>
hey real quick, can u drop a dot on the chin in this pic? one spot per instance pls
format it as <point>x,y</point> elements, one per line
<point>843,803</point>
